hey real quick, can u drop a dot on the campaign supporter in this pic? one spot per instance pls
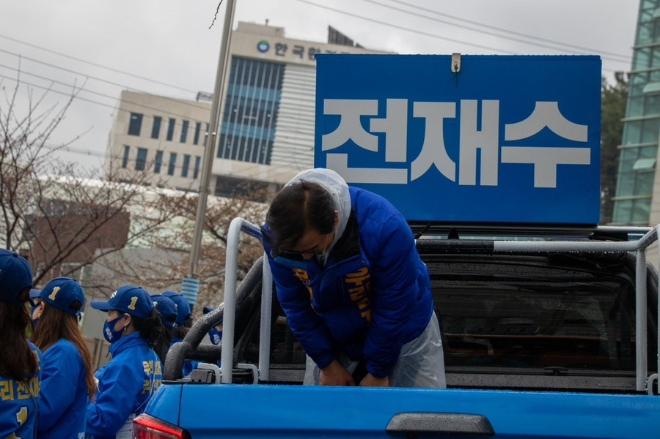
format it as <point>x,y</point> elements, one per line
<point>67,382</point>
<point>183,323</point>
<point>354,289</point>
<point>134,372</point>
<point>20,360</point>
<point>184,313</point>
<point>34,301</point>
<point>167,309</point>
<point>215,333</point>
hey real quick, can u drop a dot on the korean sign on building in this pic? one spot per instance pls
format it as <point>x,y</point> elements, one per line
<point>503,139</point>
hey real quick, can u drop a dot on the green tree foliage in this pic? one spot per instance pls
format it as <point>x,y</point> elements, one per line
<point>613,109</point>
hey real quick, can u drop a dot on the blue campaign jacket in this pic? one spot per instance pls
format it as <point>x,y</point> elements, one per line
<point>64,394</point>
<point>19,403</point>
<point>125,384</point>
<point>367,303</point>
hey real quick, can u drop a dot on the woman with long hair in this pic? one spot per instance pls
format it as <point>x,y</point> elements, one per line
<point>20,373</point>
<point>168,315</point>
<point>135,371</point>
<point>67,382</point>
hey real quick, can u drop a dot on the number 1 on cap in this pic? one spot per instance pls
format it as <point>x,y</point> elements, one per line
<point>54,293</point>
<point>133,302</point>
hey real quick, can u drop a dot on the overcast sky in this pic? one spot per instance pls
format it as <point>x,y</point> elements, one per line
<point>166,46</point>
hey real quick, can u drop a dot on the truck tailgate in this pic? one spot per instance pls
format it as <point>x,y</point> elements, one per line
<point>240,411</point>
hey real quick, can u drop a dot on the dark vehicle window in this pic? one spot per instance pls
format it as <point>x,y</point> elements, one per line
<point>538,326</point>
<point>498,316</point>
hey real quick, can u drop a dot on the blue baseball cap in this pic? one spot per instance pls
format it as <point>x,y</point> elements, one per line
<point>167,309</point>
<point>182,306</point>
<point>61,293</point>
<point>207,310</point>
<point>34,293</point>
<point>15,276</point>
<point>132,300</point>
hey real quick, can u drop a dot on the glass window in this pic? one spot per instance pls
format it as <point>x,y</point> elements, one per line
<point>648,152</point>
<point>198,128</point>
<point>625,184</point>
<point>635,107</point>
<point>632,132</point>
<point>198,161</point>
<point>644,182</point>
<point>141,161</point>
<point>641,211</point>
<point>650,129</point>
<point>159,162</point>
<point>652,105</point>
<point>655,56</point>
<point>641,60</point>
<point>172,166</point>
<point>622,211</point>
<point>135,124</point>
<point>644,34</point>
<point>186,165</point>
<point>170,129</point>
<point>124,161</point>
<point>155,129</point>
<point>184,131</point>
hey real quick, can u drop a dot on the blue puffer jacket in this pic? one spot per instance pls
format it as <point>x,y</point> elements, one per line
<point>368,303</point>
<point>125,385</point>
<point>19,403</point>
<point>64,393</point>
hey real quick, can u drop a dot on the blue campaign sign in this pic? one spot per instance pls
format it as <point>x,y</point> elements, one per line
<point>505,139</point>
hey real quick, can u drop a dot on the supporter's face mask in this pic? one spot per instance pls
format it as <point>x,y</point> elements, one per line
<point>109,330</point>
<point>216,336</point>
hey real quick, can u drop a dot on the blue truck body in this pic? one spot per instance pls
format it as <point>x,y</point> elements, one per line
<point>500,402</point>
<point>242,411</point>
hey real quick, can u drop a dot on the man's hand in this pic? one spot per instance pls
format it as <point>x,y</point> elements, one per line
<point>334,374</point>
<point>371,381</point>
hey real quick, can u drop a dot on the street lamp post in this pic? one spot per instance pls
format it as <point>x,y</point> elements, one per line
<point>192,282</point>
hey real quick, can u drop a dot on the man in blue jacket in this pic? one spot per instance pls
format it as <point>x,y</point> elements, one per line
<point>354,289</point>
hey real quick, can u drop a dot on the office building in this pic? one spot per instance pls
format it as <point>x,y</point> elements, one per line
<point>637,199</point>
<point>267,120</point>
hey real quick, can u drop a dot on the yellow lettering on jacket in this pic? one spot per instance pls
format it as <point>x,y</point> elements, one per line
<point>304,278</point>
<point>359,288</point>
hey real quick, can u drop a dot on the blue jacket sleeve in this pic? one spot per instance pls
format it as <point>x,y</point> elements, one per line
<point>61,369</point>
<point>313,335</point>
<point>119,385</point>
<point>394,291</point>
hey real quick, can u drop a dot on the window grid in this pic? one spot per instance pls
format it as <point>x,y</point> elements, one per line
<point>141,160</point>
<point>172,165</point>
<point>198,161</point>
<point>127,152</point>
<point>155,129</point>
<point>158,162</point>
<point>135,124</point>
<point>186,165</point>
<point>250,112</point>
<point>198,128</point>
<point>170,129</point>
<point>184,131</point>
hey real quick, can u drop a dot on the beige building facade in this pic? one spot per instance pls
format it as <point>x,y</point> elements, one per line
<point>267,118</point>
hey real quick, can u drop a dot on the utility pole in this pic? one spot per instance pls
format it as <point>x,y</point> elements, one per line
<point>207,164</point>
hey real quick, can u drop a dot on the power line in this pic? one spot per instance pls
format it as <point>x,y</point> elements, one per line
<point>95,93</point>
<point>395,26</point>
<point>626,58</point>
<point>123,86</point>
<point>97,65</point>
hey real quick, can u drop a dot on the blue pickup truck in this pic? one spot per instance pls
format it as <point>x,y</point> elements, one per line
<point>548,333</point>
<point>549,323</point>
